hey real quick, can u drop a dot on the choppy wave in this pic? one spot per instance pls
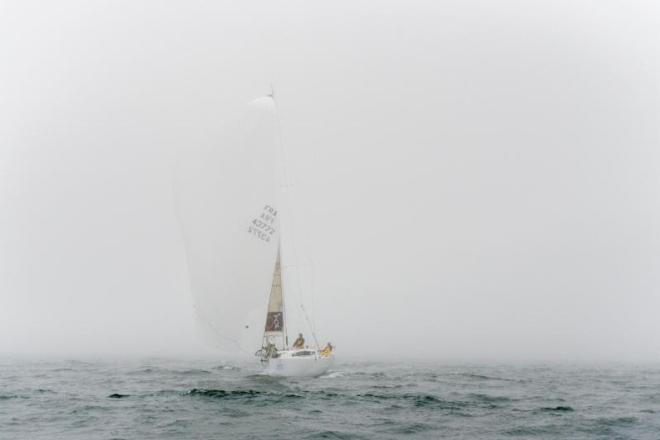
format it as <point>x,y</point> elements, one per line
<point>222,394</point>
<point>176,400</point>
<point>559,408</point>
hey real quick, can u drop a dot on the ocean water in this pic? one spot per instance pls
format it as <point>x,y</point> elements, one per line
<point>160,399</point>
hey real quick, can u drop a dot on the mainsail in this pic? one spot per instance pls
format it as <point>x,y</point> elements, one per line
<point>226,202</point>
<point>275,329</point>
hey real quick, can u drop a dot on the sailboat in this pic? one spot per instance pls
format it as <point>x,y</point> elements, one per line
<point>278,357</point>
<point>230,204</point>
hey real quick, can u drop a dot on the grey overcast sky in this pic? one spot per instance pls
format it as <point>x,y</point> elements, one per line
<point>476,180</point>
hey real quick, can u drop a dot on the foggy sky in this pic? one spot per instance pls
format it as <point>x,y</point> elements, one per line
<point>474,180</point>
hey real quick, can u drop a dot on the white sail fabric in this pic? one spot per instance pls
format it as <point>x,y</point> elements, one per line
<point>227,197</point>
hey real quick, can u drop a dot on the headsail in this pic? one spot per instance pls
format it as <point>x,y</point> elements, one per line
<point>227,196</point>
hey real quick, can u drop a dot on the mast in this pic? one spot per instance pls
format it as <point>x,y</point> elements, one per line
<point>285,186</point>
<point>285,335</point>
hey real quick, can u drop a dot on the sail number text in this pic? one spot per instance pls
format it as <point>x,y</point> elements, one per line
<point>263,226</point>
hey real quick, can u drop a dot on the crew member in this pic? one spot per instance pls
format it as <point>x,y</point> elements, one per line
<point>271,351</point>
<point>299,342</point>
<point>327,349</point>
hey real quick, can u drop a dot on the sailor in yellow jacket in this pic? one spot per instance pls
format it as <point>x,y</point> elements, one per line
<point>327,349</point>
<point>299,342</point>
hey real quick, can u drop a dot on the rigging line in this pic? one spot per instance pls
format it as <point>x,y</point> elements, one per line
<point>287,200</point>
<point>310,326</point>
<point>313,293</point>
<point>285,336</point>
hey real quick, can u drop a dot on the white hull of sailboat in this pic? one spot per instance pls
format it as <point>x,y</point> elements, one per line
<point>299,366</point>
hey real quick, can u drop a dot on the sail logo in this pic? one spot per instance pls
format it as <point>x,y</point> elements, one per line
<point>274,322</point>
<point>263,226</point>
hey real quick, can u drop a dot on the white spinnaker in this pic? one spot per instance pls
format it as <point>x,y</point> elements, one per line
<point>227,198</point>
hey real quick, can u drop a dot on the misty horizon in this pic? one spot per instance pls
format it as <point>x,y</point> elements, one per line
<point>473,182</point>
